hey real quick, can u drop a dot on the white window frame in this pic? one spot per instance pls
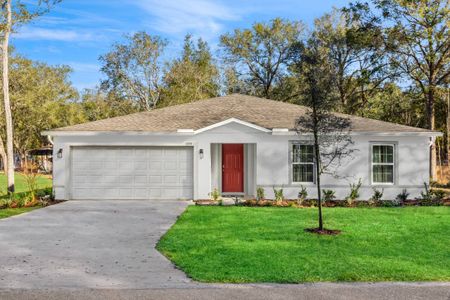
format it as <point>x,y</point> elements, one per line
<point>292,163</point>
<point>393,164</point>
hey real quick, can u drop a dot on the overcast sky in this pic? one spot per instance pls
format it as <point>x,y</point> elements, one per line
<point>77,32</point>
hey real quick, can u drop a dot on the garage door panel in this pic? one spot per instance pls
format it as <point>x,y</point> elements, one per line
<point>170,179</point>
<point>155,165</point>
<point>110,165</point>
<point>186,180</point>
<point>141,181</point>
<point>154,193</point>
<point>155,179</point>
<point>140,193</point>
<point>132,173</point>
<point>170,165</point>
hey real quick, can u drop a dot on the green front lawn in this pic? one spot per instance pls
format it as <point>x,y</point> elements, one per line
<point>21,185</point>
<point>8,212</point>
<point>243,244</point>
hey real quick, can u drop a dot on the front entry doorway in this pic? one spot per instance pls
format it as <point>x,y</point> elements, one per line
<point>232,168</point>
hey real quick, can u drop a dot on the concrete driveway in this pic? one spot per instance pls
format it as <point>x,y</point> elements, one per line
<point>89,244</point>
<point>105,250</point>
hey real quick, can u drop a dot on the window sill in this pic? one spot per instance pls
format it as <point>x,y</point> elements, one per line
<point>387,184</point>
<point>303,183</point>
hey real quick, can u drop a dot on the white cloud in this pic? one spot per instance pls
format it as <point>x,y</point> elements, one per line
<point>84,67</point>
<point>200,17</point>
<point>64,35</point>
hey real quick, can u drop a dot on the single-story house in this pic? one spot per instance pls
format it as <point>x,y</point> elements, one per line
<point>234,143</point>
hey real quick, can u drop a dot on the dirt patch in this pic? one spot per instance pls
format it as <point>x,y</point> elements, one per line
<point>323,231</point>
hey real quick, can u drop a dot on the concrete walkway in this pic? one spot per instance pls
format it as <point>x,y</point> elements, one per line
<point>89,244</point>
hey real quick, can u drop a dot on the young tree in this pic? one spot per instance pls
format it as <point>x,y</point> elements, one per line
<point>329,131</point>
<point>262,54</point>
<point>133,69</point>
<point>13,14</point>
<point>192,77</point>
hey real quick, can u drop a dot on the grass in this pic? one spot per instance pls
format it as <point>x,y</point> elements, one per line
<point>43,182</point>
<point>21,185</point>
<point>242,244</point>
<point>8,212</point>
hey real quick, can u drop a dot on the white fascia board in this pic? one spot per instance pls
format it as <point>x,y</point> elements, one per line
<point>281,131</point>
<point>399,133</point>
<point>185,131</point>
<point>232,120</point>
<point>94,133</point>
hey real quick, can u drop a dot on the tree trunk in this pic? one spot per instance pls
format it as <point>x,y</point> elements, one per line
<point>3,156</point>
<point>317,165</point>
<point>431,126</point>
<point>448,127</point>
<point>319,194</point>
<point>8,114</point>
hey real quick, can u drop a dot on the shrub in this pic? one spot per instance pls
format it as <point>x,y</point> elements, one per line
<point>302,195</point>
<point>438,195</point>
<point>377,194</point>
<point>354,192</point>
<point>260,193</point>
<point>426,196</point>
<point>362,203</point>
<point>328,195</point>
<point>403,196</point>
<point>291,204</point>
<point>215,195</point>
<point>278,194</point>
<point>30,173</point>
<point>376,197</point>
<point>390,203</point>
<point>310,202</point>
<point>22,201</point>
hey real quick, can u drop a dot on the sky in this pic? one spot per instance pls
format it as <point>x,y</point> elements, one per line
<point>77,32</point>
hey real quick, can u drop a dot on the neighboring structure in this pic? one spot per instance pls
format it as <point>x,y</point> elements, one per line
<point>234,143</point>
<point>42,157</point>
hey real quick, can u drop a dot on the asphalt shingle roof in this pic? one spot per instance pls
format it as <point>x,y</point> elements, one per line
<point>262,112</point>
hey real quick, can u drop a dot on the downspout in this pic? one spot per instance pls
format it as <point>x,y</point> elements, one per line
<point>49,138</point>
<point>430,168</point>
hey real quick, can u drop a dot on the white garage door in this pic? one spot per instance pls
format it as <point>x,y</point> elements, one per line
<point>132,173</point>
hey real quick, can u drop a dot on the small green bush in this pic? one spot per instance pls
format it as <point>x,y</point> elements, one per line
<point>389,203</point>
<point>278,194</point>
<point>215,194</point>
<point>260,194</point>
<point>328,195</point>
<point>403,196</point>
<point>429,197</point>
<point>354,192</point>
<point>302,195</point>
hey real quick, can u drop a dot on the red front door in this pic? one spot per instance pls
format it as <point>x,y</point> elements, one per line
<point>232,168</point>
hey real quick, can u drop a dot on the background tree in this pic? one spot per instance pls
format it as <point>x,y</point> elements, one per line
<point>417,37</point>
<point>357,55</point>
<point>261,55</point>
<point>329,132</point>
<point>38,91</point>
<point>134,69</point>
<point>192,77</point>
<point>12,15</point>
<point>97,105</point>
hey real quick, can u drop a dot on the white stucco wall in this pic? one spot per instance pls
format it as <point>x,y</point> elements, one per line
<point>272,160</point>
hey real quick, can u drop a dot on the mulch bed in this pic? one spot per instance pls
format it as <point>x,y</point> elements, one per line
<point>323,231</point>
